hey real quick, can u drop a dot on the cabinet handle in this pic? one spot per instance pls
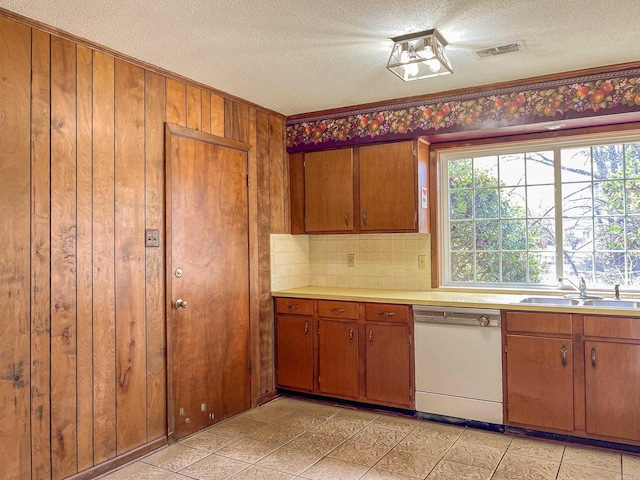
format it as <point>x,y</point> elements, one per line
<point>346,218</point>
<point>593,357</point>
<point>371,337</point>
<point>388,314</point>
<point>337,310</point>
<point>364,218</point>
<point>294,307</point>
<point>563,350</point>
<point>351,335</point>
<point>306,329</point>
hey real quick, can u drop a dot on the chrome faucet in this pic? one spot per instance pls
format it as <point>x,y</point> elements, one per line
<point>581,287</point>
<point>616,291</point>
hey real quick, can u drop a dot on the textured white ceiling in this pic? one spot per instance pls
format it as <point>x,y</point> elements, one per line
<point>301,56</point>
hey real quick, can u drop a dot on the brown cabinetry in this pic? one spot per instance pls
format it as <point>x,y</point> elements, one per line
<point>388,187</point>
<point>351,350</point>
<point>328,187</point>
<point>573,373</point>
<point>364,189</point>
<point>612,376</point>
<point>338,357</point>
<point>294,343</point>
<point>540,382</point>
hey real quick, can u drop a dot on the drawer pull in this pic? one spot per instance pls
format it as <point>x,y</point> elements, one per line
<point>306,329</point>
<point>346,218</point>
<point>351,335</point>
<point>371,337</point>
<point>388,314</point>
<point>364,218</point>
<point>294,307</point>
<point>593,357</point>
<point>563,351</point>
<point>338,310</point>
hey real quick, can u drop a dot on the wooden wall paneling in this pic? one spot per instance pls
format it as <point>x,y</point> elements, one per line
<point>84,240</point>
<point>217,115</point>
<point>286,188</point>
<point>206,111</point>
<point>267,383</point>
<point>131,360</point>
<point>277,174</point>
<point>194,108</point>
<point>176,102</point>
<point>254,247</point>
<point>104,326</point>
<point>154,257</point>
<point>63,259</point>
<point>15,274</point>
<point>236,121</point>
<point>40,255</point>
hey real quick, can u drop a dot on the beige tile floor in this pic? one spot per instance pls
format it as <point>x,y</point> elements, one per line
<point>291,438</point>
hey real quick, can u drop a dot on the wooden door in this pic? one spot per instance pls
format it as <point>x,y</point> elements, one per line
<point>612,376</point>
<point>295,352</point>
<point>338,357</point>
<point>388,360</point>
<point>388,187</point>
<point>540,382</point>
<point>328,184</point>
<point>208,267</point>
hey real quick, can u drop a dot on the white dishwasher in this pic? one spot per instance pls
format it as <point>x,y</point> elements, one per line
<point>458,362</point>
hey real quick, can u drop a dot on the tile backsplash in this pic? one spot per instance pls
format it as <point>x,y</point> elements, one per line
<point>388,261</point>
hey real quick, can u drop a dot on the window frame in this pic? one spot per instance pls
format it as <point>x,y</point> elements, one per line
<point>444,153</point>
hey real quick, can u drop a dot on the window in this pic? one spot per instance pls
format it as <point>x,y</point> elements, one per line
<point>526,215</point>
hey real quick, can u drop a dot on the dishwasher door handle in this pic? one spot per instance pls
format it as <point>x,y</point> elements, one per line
<point>453,320</point>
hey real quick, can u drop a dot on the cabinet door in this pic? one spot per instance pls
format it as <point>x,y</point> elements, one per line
<point>540,382</point>
<point>388,359</point>
<point>294,352</point>
<point>388,187</point>
<point>338,357</point>
<point>328,183</point>
<point>612,376</point>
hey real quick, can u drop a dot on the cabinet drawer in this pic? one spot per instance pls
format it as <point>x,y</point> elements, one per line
<point>377,312</point>
<point>534,322</point>
<point>612,327</point>
<point>294,306</point>
<point>337,309</point>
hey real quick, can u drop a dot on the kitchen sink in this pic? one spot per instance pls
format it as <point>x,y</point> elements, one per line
<point>551,300</point>
<point>582,302</point>
<point>611,303</point>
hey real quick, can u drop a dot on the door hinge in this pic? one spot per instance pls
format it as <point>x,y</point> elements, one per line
<point>318,330</point>
<point>506,406</point>
<point>410,393</point>
<point>415,152</point>
<point>409,339</point>
<point>318,379</point>
<point>505,348</point>
<point>247,180</point>
<point>250,367</point>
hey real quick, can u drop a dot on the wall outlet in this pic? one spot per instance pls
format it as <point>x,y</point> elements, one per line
<point>152,237</point>
<point>422,262</point>
<point>351,259</point>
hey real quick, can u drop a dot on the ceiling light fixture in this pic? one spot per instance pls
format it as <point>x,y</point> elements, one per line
<point>419,55</point>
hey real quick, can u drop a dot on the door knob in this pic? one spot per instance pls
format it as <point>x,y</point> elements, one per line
<point>180,303</point>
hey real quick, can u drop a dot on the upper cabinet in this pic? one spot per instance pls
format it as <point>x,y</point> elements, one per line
<point>374,188</point>
<point>328,186</point>
<point>388,187</point>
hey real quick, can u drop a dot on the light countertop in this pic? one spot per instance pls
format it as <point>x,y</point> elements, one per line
<point>444,298</point>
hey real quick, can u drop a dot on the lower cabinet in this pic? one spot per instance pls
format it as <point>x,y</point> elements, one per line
<point>540,382</point>
<point>612,382</point>
<point>338,357</point>
<point>573,373</point>
<point>345,350</point>
<point>294,342</point>
<point>388,354</point>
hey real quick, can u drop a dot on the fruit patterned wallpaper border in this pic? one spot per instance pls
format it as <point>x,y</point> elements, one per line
<point>570,98</point>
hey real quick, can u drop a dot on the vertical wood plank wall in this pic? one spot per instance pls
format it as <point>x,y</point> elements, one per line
<point>82,334</point>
